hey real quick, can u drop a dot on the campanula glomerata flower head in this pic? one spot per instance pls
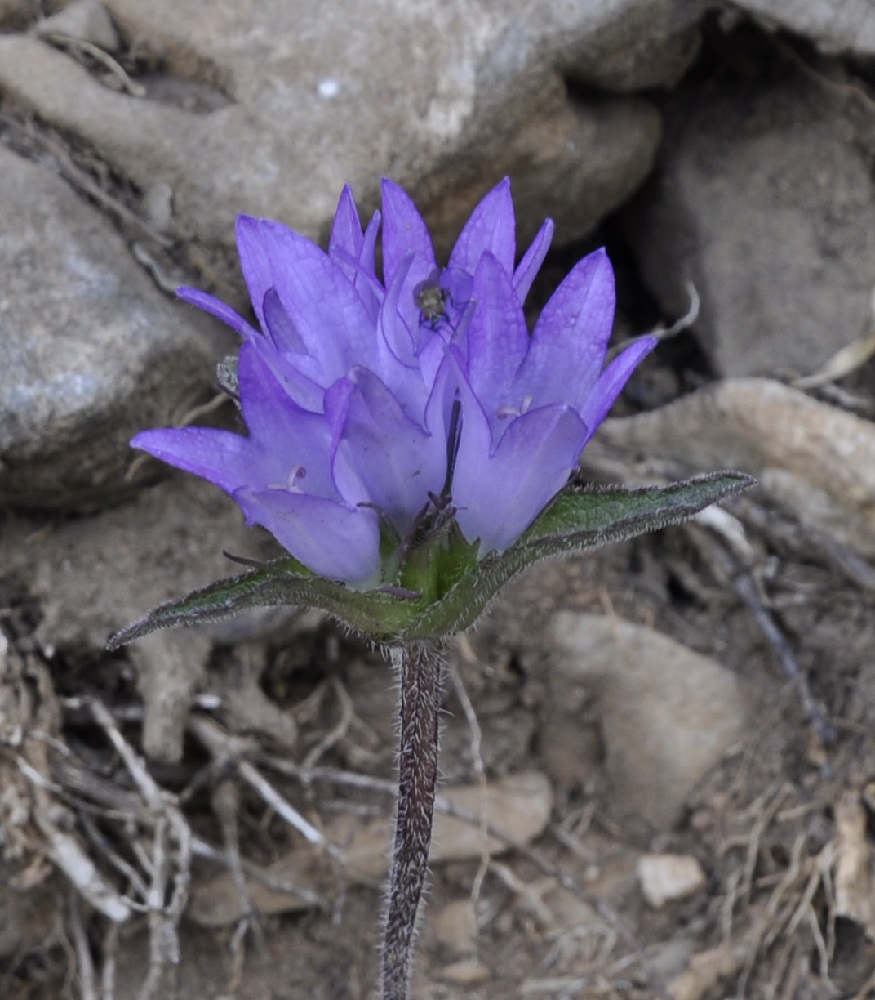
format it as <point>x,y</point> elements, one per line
<point>378,408</point>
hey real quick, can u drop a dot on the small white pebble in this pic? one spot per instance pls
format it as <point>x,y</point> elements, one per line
<point>667,877</point>
<point>455,927</point>
<point>158,206</point>
<point>467,973</point>
<point>328,88</point>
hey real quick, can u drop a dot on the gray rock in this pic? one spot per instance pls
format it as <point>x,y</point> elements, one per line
<point>667,713</point>
<point>157,206</point>
<point>834,25</point>
<point>455,927</point>
<point>94,574</point>
<point>271,109</point>
<point>84,20</point>
<point>631,46</point>
<point>90,351</point>
<point>812,458</point>
<point>15,14</point>
<point>764,199</point>
<point>665,878</point>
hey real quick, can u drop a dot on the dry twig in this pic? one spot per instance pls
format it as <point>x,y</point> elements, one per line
<point>467,652</point>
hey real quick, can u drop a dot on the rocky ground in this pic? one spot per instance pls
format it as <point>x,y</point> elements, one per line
<point>658,761</point>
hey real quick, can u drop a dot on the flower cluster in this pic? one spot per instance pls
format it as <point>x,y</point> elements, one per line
<point>372,405</point>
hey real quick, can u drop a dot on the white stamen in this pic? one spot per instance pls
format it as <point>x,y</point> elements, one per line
<point>291,485</point>
<point>512,411</point>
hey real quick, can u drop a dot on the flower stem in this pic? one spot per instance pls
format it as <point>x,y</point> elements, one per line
<point>421,673</point>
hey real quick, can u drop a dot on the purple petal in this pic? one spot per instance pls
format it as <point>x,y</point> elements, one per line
<point>497,336</point>
<point>319,299</point>
<point>333,540</point>
<point>498,494</point>
<point>399,463</point>
<point>457,285</point>
<point>394,330</point>
<point>404,368</point>
<point>216,307</point>
<point>490,229</point>
<point>254,262</point>
<point>298,374</point>
<point>405,232</point>
<point>346,229</point>
<point>354,251</point>
<point>568,343</point>
<point>368,253</point>
<point>365,280</point>
<point>278,327</point>
<point>532,260</point>
<point>285,444</point>
<point>221,457</point>
<point>443,393</point>
<point>344,472</point>
<point>294,441</point>
<point>611,381</point>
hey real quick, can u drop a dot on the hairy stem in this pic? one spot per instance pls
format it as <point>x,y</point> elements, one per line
<point>420,675</point>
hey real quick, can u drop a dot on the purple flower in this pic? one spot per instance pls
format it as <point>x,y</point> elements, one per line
<point>369,402</point>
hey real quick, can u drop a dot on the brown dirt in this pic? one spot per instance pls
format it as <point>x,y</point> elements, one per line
<point>763,825</point>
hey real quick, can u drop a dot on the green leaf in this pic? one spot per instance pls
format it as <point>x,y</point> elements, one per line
<point>282,582</point>
<point>577,519</point>
<point>606,514</point>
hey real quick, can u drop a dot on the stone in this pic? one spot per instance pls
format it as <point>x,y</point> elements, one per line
<point>634,46</point>
<point>454,927</point>
<point>666,878</point>
<point>764,200</point>
<point>90,351</point>
<point>84,20</point>
<point>157,206</point>
<point>833,25</point>
<point>94,574</point>
<point>667,714</point>
<point>812,458</point>
<point>466,973</point>
<point>170,668</point>
<point>272,109</point>
<point>854,854</point>
<point>15,14</point>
